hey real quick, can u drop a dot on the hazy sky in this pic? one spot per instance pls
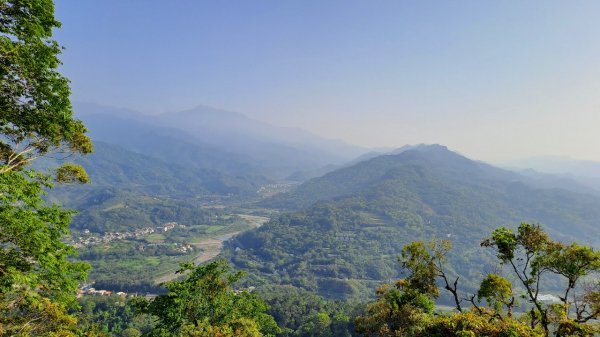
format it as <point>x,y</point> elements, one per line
<point>494,80</point>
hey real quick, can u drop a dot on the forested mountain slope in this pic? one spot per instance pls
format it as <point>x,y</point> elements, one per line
<point>357,219</point>
<point>130,190</point>
<point>112,165</point>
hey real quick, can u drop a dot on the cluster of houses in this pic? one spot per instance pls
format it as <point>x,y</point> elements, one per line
<point>167,227</point>
<point>184,248</point>
<point>83,241</point>
<point>88,291</point>
<point>96,292</point>
<point>89,240</point>
<point>272,189</point>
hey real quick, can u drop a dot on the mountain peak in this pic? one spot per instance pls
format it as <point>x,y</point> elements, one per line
<point>421,147</point>
<point>433,153</point>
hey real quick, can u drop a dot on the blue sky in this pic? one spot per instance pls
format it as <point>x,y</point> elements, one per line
<point>495,80</point>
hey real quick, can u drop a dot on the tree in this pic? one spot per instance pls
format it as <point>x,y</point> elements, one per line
<point>403,310</point>
<point>407,311</point>
<point>37,282</point>
<point>533,256</point>
<point>498,292</point>
<point>425,264</point>
<point>36,116</point>
<point>406,308</point>
<point>111,315</point>
<point>398,311</point>
<point>204,304</point>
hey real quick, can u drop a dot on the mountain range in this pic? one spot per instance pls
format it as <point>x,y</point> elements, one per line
<point>150,169</point>
<point>209,138</point>
<point>342,227</point>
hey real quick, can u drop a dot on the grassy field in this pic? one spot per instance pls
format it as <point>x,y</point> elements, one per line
<point>213,229</point>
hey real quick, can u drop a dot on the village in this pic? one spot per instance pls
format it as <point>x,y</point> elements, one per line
<point>88,239</point>
<point>89,291</point>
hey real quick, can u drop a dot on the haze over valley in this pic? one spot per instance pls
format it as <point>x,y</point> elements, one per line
<point>208,168</point>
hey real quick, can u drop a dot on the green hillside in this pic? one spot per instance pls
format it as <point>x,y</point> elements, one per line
<point>358,218</point>
<point>129,190</point>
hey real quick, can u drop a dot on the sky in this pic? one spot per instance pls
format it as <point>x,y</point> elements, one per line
<point>494,80</point>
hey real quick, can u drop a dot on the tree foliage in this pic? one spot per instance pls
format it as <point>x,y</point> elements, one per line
<point>402,310</point>
<point>301,313</point>
<point>37,282</point>
<point>204,304</point>
<point>497,291</point>
<point>398,311</point>
<point>36,115</point>
<point>422,269</point>
<point>112,316</point>
<point>532,256</point>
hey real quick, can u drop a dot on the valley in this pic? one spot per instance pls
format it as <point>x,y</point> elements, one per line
<point>332,239</point>
<point>154,253</point>
<point>337,235</point>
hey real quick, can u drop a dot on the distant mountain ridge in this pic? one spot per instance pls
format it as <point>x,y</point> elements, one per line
<point>212,120</point>
<point>585,172</point>
<point>217,139</point>
<point>438,158</point>
<point>560,165</point>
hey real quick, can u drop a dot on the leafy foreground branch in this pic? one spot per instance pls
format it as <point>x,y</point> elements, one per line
<point>407,308</point>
